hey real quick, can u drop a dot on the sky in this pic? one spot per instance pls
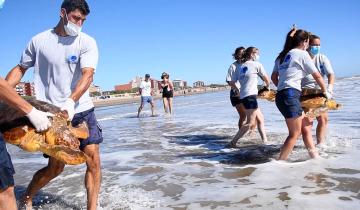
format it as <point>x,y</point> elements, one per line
<point>190,39</point>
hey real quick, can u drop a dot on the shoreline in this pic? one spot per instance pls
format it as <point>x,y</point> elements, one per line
<point>136,99</point>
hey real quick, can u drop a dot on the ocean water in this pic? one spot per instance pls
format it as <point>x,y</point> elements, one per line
<point>181,161</point>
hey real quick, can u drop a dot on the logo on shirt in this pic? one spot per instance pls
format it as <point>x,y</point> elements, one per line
<point>244,70</point>
<point>287,58</point>
<point>322,69</point>
<point>72,59</point>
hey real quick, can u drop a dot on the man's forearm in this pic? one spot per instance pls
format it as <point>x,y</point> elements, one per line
<point>15,75</point>
<point>83,84</point>
<point>331,79</point>
<point>9,95</point>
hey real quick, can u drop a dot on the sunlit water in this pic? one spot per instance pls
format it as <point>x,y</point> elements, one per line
<point>181,162</point>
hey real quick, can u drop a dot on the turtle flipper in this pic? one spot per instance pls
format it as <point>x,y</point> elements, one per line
<point>25,137</point>
<point>64,154</point>
<point>81,131</point>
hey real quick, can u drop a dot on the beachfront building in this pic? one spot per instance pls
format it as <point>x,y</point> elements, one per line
<point>94,90</point>
<point>179,84</point>
<point>198,84</point>
<point>25,89</point>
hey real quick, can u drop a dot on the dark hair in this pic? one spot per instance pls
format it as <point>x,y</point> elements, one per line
<point>165,75</point>
<point>72,5</point>
<point>237,50</point>
<point>247,54</point>
<point>313,37</point>
<point>293,39</point>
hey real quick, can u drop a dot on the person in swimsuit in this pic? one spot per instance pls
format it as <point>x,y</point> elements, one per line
<point>167,92</point>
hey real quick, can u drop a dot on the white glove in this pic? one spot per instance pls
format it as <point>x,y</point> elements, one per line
<point>331,89</point>
<point>327,95</point>
<point>69,106</point>
<point>39,119</point>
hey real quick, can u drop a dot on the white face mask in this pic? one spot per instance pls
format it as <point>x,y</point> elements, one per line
<point>71,28</point>
<point>257,57</point>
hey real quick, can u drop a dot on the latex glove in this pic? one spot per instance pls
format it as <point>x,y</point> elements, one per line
<point>331,89</point>
<point>39,119</point>
<point>69,106</point>
<point>327,95</point>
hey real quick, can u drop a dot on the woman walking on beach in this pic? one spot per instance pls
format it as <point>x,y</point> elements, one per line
<point>235,85</point>
<point>309,86</point>
<point>167,92</point>
<point>291,66</point>
<point>247,75</point>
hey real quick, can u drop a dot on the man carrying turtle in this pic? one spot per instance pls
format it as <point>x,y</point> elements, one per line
<point>64,61</point>
<point>40,121</point>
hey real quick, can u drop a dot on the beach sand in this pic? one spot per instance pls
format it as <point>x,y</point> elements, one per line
<point>136,99</point>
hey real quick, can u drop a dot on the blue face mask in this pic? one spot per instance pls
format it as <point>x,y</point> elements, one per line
<point>314,50</point>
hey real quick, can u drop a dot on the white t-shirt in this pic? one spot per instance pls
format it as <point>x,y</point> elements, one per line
<point>324,67</point>
<point>296,65</point>
<point>145,88</point>
<point>247,75</point>
<point>57,63</point>
<point>231,75</point>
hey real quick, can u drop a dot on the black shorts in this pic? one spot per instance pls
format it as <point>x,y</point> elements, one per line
<point>288,103</point>
<point>235,100</point>
<point>250,102</point>
<point>95,130</point>
<point>6,167</point>
<point>168,94</point>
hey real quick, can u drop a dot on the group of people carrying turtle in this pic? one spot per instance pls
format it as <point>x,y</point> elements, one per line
<point>299,71</point>
<point>66,84</point>
<point>64,61</point>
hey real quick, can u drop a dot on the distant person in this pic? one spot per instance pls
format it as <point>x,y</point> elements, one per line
<point>167,92</point>
<point>40,121</point>
<point>291,66</point>
<point>235,85</point>
<point>309,85</point>
<point>64,60</point>
<point>247,75</point>
<point>146,95</point>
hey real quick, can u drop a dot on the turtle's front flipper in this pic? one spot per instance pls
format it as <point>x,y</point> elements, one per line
<point>64,154</point>
<point>25,137</point>
<point>81,131</point>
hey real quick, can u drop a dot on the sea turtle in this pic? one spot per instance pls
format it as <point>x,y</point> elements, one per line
<point>313,103</point>
<point>60,141</point>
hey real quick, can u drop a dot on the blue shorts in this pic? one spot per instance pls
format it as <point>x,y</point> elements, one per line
<point>146,99</point>
<point>6,167</point>
<point>250,102</point>
<point>235,100</point>
<point>95,130</point>
<point>288,103</point>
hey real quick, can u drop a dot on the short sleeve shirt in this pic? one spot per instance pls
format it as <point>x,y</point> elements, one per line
<point>58,63</point>
<point>247,75</point>
<point>324,67</point>
<point>231,75</point>
<point>145,88</point>
<point>296,65</point>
